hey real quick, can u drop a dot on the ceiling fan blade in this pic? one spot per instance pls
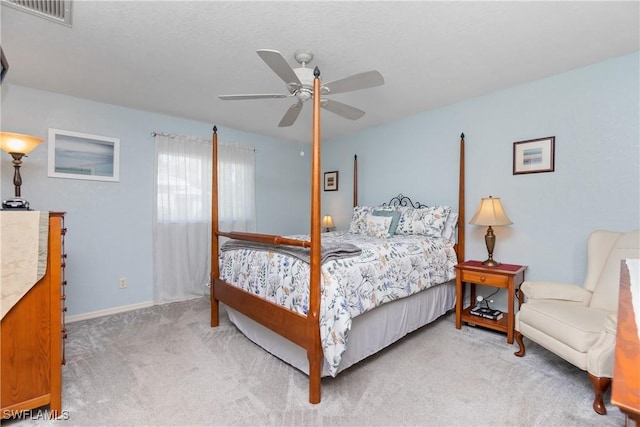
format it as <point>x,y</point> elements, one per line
<point>355,82</point>
<point>344,110</point>
<point>253,96</point>
<point>291,115</point>
<point>279,65</point>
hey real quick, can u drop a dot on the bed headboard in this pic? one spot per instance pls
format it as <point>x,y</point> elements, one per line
<point>402,200</point>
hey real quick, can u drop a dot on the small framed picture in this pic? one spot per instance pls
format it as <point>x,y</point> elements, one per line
<point>534,155</point>
<point>331,181</point>
<point>78,155</point>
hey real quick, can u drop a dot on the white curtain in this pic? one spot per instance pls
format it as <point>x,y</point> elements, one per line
<point>236,188</point>
<point>182,218</point>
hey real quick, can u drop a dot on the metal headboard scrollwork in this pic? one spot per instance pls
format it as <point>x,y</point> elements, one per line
<point>401,200</point>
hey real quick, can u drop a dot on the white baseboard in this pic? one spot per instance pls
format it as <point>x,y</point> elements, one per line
<point>108,311</point>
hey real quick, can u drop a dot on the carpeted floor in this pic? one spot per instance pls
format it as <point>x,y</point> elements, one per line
<point>164,366</point>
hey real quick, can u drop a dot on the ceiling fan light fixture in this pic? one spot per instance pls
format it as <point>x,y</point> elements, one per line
<point>304,95</point>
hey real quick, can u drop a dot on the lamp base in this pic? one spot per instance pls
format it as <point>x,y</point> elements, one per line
<point>490,263</point>
<point>17,203</point>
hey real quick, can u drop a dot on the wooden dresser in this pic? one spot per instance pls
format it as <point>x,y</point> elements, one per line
<point>625,392</point>
<point>32,337</point>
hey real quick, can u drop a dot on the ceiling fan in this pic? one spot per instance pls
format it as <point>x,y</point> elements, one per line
<point>300,85</point>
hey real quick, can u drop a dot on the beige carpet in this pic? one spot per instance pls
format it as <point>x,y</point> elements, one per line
<point>164,366</point>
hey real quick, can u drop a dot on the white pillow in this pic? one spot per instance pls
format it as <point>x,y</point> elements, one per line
<point>450,226</point>
<point>427,221</point>
<point>377,226</point>
<point>358,219</point>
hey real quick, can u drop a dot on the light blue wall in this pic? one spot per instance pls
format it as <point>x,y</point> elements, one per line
<point>110,224</point>
<point>594,114</point>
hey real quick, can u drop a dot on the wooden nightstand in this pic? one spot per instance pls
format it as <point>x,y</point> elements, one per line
<point>507,276</point>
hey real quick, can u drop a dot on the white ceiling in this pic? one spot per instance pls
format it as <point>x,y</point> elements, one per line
<point>176,57</point>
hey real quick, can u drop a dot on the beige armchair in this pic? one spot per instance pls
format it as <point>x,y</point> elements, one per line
<point>578,323</point>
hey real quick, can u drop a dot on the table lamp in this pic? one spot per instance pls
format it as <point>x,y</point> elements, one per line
<point>327,222</point>
<point>17,145</point>
<point>490,213</point>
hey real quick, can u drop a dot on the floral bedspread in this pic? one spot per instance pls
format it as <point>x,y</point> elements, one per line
<point>386,270</point>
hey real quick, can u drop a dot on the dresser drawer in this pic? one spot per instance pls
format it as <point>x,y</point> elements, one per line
<point>484,278</point>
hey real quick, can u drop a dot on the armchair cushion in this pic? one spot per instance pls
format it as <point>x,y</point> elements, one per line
<point>555,291</point>
<point>575,325</point>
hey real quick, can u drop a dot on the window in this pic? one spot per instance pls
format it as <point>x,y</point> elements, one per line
<point>182,226</point>
<point>183,188</point>
<point>236,188</point>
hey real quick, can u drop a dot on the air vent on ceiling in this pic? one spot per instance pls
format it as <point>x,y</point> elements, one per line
<point>55,10</point>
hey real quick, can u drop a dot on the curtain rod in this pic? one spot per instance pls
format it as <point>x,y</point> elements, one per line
<point>170,135</point>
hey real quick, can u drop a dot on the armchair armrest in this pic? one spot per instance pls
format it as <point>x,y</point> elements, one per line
<point>553,290</point>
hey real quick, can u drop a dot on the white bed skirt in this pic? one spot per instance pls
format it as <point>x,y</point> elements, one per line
<point>370,332</point>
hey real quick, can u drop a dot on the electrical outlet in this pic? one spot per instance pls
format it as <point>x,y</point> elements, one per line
<point>123,282</point>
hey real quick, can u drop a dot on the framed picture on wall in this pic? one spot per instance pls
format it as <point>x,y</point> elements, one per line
<point>331,181</point>
<point>534,155</point>
<point>78,155</point>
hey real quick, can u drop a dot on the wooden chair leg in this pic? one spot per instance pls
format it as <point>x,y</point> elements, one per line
<point>518,336</point>
<point>600,386</point>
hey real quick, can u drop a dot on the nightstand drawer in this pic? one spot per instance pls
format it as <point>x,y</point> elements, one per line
<point>484,278</point>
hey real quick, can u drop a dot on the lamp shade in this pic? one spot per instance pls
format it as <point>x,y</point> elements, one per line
<point>327,221</point>
<point>490,212</point>
<point>18,143</point>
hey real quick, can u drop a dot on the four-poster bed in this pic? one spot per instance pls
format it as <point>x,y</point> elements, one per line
<point>296,335</point>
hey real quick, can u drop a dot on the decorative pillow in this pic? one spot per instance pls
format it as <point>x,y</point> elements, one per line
<point>425,221</point>
<point>358,219</point>
<point>395,218</point>
<point>377,226</point>
<point>404,223</point>
<point>448,232</point>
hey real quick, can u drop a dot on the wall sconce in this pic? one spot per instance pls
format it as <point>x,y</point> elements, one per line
<point>490,213</point>
<point>17,145</point>
<point>327,222</point>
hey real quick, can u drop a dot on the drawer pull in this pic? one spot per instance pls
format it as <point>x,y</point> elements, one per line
<point>482,279</point>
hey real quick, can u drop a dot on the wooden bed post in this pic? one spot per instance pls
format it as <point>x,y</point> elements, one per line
<point>461,201</point>
<point>215,266</point>
<point>314,351</point>
<point>355,180</point>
